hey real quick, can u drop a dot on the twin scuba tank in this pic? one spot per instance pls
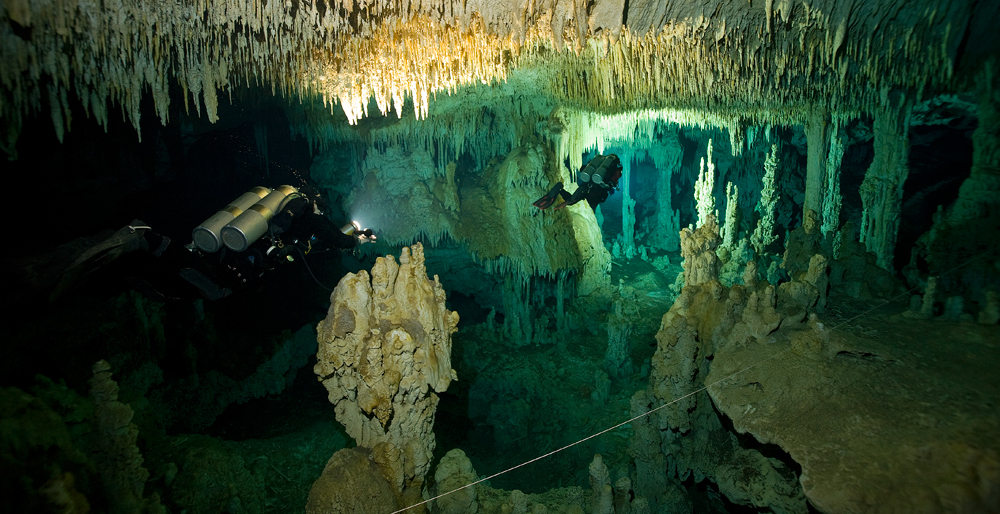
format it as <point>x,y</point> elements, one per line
<point>602,170</point>
<point>243,221</point>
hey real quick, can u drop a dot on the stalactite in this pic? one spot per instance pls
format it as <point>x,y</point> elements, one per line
<point>448,133</point>
<point>403,51</point>
<point>518,326</point>
<point>562,293</point>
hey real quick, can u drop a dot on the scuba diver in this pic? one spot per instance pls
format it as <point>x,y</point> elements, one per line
<point>595,182</point>
<point>258,231</point>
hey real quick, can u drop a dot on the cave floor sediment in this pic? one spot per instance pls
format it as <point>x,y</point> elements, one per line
<point>893,414</point>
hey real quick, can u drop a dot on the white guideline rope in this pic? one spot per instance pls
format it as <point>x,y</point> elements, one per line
<point>696,391</point>
<point>553,452</point>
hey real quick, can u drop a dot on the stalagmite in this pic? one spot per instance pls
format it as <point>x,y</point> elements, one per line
<point>809,289</point>
<point>764,234</point>
<point>989,313</point>
<point>119,460</point>
<point>384,351</point>
<point>927,304</point>
<point>602,495</point>
<point>618,356</point>
<point>731,225</point>
<point>455,472</point>
<point>351,482</point>
<point>707,319</point>
<point>701,264</point>
<point>704,189</point>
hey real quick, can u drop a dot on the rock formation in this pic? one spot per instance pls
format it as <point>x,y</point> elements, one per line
<point>384,350</point>
<point>602,494</point>
<point>701,264</point>
<point>763,234</point>
<point>808,289</point>
<point>455,473</point>
<point>351,483</point>
<point>706,317</point>
<point>856,270</point>
<point>37,456</point>
<point>876,428</point>
<point>499,95</point>
<point>118,457</point>
<point>840,400</point>
<point>803,243</point>
<point>618,356</point>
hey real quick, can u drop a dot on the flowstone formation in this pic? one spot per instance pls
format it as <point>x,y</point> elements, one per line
<point>868,411</point>
<point>492,214</point>
<point>871,418</point>
<point>384,351</point>
<point>513,250</point>
<point>689,432</point>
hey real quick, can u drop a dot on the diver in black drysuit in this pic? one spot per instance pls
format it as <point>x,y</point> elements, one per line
<point>595,182</point>
<point>298,229</point>
<point>164,271</point>
<point>301,223</point>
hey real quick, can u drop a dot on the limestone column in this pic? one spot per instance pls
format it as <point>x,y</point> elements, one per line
<point>817,138</point>
<point>832,199</point>
<point>666,233</point>
<point>628,206</point>
<point>882,189</point>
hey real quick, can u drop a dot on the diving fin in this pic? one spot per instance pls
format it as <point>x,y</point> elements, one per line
<point>546,201</point>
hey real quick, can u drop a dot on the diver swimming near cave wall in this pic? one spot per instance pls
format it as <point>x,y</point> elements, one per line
<point>595,182</point>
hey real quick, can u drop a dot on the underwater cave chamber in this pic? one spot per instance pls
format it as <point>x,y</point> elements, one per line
<point>790,303</point>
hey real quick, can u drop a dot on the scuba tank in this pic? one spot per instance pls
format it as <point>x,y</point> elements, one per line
<point>247,228</point>
<point>351,228</point>
<point>207,236</point>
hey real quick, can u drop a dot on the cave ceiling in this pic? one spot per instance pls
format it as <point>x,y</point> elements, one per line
<point>749,61</point>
